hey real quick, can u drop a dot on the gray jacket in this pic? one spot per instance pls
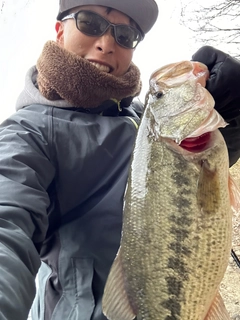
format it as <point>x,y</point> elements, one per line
<point>63,175</point>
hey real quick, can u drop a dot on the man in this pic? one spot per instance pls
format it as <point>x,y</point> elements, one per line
<point>64,157</point>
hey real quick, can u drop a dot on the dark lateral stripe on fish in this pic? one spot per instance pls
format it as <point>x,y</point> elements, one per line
<point>177,247</point>
<point>182,221</point>
<point>179,228</point>
<point>174,307</point>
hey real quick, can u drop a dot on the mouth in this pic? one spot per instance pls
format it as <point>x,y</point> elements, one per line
<point>196,144</point>
<point>102,67</point>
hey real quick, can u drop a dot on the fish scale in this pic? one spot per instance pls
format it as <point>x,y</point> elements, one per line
<point>176,235</point>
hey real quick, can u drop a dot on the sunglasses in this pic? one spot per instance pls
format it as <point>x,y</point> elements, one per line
<point>94,25</point>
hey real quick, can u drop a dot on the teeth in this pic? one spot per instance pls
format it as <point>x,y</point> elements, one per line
<point>101,67</point>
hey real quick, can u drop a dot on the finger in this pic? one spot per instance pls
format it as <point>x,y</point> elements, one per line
<point>209,56</point>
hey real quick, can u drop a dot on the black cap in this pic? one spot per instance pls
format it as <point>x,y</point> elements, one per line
<point>143,12</point>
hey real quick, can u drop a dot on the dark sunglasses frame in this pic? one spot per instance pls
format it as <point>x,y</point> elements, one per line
<point>109,24</point>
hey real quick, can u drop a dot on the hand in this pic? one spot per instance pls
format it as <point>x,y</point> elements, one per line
<point>224,80</point>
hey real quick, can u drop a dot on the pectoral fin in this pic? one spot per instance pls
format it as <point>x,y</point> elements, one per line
<point>234,192</point>
<point>115,302</point>
<point>217,310</point>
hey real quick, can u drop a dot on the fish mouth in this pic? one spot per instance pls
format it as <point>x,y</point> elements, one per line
<point>196,144</point>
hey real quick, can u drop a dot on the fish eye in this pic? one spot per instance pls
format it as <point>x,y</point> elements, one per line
<point>158,94</point>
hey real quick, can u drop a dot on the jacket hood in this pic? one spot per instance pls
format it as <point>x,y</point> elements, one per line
<point>31,94</point>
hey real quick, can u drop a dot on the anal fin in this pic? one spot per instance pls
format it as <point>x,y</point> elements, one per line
<point>217,310</point>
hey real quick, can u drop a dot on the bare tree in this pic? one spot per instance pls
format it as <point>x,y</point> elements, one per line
<point>215,24</point>
<point>2,5</point>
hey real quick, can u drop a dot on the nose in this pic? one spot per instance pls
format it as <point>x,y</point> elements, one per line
<point>106,43</point>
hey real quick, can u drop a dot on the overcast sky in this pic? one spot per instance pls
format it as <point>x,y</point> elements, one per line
<point>25,25</point>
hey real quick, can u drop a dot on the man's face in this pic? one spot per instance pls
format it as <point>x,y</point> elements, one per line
<point>102,51</point>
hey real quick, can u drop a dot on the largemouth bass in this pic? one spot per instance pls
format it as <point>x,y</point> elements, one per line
<point>176,235</point>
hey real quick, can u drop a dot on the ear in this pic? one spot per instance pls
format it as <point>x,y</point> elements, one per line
<point>59,27</point>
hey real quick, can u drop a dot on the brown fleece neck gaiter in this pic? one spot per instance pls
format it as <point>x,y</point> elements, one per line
<point>65,75</point>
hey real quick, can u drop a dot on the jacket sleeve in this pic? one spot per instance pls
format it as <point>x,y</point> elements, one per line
<point>25,174</point>
<point>223,82</point>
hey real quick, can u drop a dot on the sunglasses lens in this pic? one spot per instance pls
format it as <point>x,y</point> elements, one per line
<point>127,36</point>
<point>92,24</point>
